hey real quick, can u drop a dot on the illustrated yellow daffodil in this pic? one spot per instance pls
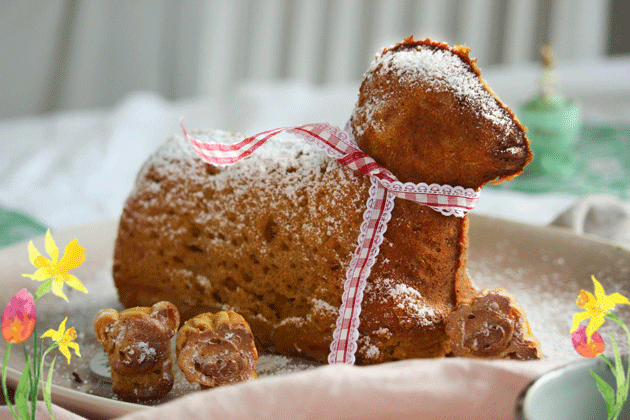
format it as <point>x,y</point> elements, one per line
<point>595,307</point>
<point>64,339</point>
<point>73,256</point>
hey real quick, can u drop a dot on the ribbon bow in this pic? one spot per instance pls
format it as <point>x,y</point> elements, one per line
<point>340,145</point>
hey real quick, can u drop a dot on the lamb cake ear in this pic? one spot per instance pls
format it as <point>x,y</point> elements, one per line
<point>168,315</point>
<point>425,113</point>
<point>102,321</point>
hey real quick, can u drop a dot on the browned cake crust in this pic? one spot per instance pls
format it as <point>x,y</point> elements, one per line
<point>272,236</point>
<point>138,346</point>
<point>216,349</point>
<point>423,100</point>
<point>492,325</point>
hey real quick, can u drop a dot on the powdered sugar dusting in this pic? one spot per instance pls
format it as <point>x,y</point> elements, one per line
<point>272,365</point>
<point>281,167</point>
<point>367,349</point>
<point>409,304</point>
<point>321,305</point>
<point>408,298</point>
<point>146,351</point>
<point>441,70</point>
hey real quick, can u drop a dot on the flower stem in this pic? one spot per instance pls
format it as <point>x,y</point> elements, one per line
<point>4,379</point>
<point>35,374</point>
<point>45,389</point>
<point>622,388</point>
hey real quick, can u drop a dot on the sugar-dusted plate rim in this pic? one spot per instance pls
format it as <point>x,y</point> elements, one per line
<point>529,251</point>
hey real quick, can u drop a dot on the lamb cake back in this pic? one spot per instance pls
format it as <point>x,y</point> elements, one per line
<point>272,236</point>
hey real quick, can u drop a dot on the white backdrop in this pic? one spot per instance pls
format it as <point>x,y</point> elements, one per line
<point>77,54</point>
<point>91,88</point>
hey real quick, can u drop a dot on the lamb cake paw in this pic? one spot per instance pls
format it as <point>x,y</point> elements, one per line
<point>138,346</point>
<point>492,325</point>
<point>216,349</point>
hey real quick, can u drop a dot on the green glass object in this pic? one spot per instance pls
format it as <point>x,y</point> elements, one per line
<point>553,127</point>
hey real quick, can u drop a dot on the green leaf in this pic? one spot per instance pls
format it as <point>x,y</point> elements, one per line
<point>619,372</point>
<point>44,288</point>
<point>4,379</point>
<point>48,388</point>
<point>22,392</point>
<point>611,315</point>
<point>35,374</point>
<point>608,362</point>
<point>606,391</point>
<point>623,383</point>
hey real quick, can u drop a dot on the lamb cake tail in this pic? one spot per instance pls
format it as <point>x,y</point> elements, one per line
<point>425,113</point>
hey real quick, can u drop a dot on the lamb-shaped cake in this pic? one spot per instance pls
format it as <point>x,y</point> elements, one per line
<point>272,236</point>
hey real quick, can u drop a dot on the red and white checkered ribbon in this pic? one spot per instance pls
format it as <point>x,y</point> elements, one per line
<point>340,144</point>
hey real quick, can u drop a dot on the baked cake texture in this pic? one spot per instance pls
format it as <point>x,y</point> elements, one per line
<point>138,346</point>
<point>491,324</point>
<point>271,237</point>
<point>216,349</point>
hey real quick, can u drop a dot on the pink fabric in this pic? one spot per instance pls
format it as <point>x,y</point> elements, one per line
<point>42,413</point>
<point>413,389</point>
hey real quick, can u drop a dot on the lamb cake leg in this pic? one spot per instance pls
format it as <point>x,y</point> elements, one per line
<point>425,113</point>
<point>216,349</point>
<point>138,346</point>
<point>491,324</point>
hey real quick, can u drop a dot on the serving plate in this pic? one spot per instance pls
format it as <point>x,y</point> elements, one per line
<point>544,268</point>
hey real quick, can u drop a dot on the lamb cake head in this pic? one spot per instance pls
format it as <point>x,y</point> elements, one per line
<point>272,236</point>
<point>425,113</point>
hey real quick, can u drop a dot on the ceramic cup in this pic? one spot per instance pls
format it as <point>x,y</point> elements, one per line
<point>569,392</point>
